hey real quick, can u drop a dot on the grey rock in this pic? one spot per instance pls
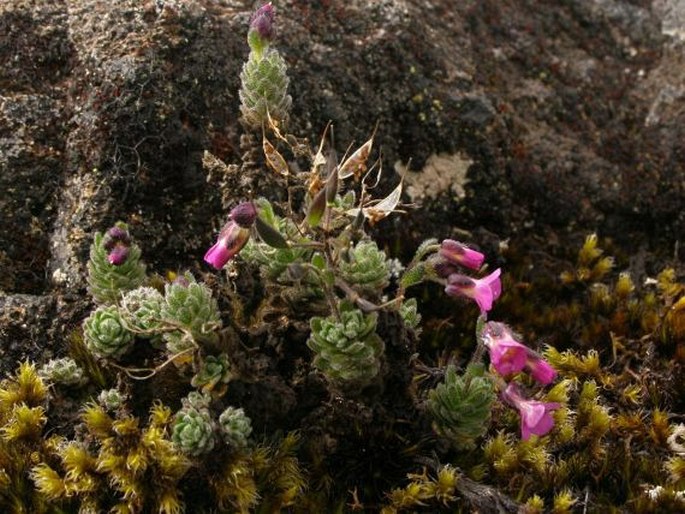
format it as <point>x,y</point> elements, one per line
<point>572,118</point>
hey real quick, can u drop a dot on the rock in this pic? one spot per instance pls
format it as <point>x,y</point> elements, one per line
<point>571,120</point>
<point>25,321</point>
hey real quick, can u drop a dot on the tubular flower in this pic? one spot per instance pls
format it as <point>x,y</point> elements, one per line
<point>118,255</point>
<point>454,252</point>
<point>509,356</point>
<point>231,240</point>
<point>536,417</point>
<point>233,236</point>
<point>483,291</point>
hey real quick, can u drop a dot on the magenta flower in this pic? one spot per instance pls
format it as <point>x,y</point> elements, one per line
<point>118,255</point>
<point>233,236</point>
<point>483,291</point>
<point>117,242</point>
<point>536,417</point>
<point>231,240</point>
<point>508,356</point>
<point>457,253</point>
<point>541,370</point>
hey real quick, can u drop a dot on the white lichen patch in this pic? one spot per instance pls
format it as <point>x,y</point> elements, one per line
<point>442,173</point>
<point>673,17</point>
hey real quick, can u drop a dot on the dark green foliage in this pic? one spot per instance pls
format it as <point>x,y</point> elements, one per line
<point>264,88</point>
<point>462,406</point>
<point>190,306</point>
<point>107,282</point>
<point>347,350</point>
<point>104,333</point>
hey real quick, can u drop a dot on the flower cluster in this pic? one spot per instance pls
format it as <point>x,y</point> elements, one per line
<point>483,291</point>
<point>261,31</point>
<point>508,356</point>
<point>114,266</point>
<point>117,242</point>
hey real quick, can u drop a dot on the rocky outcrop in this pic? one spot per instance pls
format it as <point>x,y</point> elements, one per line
<point>569,117</point>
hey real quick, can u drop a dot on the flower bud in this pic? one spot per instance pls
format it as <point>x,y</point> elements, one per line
<point>262,21</point>
<point>116,234</point>
<point>261,31</point>
<point>244,214</point>
<point>118,255</point>
<point>457,253</point>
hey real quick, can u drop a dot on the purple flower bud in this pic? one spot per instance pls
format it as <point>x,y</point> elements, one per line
<point>114,236</point>
<point>118,254</point>
<point>262,21</point>
<point>118,233</point>
<point>457,253</point>
<point>244,214</point>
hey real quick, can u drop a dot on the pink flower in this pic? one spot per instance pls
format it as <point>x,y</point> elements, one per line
<point>536,417</point>
<point>231,240</point>
<point>117,242</point>
<point>541,370</point>
<point>509,356</point>
<point>234,235</point>
<point>118,255</point>
<point>483,291</point>
<point>455,252</point>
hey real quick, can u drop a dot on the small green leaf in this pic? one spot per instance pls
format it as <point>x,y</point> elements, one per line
<point>317,208</point>
<point>269,234</point>
<point>319,261</point>
<point>413,276</point>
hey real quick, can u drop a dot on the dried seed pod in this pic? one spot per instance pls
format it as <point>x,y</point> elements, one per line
<point>355,164</point>
<point>274,159</point>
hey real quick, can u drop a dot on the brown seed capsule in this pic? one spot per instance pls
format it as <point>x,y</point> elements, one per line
<point>274,159</point>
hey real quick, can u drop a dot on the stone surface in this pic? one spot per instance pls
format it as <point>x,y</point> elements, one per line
<point>571,117</point>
